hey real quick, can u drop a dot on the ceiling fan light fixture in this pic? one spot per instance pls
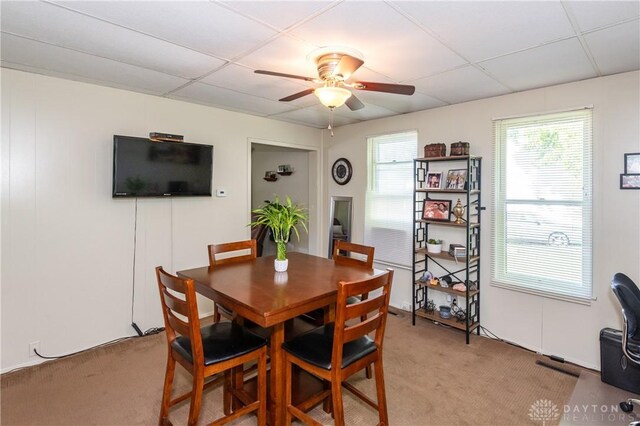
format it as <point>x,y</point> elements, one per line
<point>332,97</point>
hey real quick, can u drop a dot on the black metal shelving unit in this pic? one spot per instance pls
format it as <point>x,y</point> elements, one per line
<point>461,269</point>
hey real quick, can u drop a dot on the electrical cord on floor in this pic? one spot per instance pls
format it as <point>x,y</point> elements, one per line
<point>149,332</point>
<point>488,333</point>
<point>552,366</point>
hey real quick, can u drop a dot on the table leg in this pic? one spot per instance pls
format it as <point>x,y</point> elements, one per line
<point>276,388</point>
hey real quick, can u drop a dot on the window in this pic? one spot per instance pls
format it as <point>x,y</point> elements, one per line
<point>542,209</point>
<point>388,217</point>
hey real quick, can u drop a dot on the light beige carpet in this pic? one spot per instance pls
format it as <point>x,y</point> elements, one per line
<point>432,378</point>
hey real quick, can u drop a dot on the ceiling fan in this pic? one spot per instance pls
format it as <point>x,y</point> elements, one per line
<point>334,70</point>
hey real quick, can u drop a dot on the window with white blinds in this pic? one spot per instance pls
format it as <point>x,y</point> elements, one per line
<point>542,205</point>
<point>388,217</point>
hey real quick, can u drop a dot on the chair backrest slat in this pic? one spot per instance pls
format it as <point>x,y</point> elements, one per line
<point>175,304</point>
<point>357,310</point>
<point>172,305</point>
<point>217,249</point>
<point>178,325</point>
<point>360,329</point>
<point>367,252</point>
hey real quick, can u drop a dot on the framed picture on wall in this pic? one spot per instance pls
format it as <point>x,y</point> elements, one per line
<point>632,163</point>
<point>630,181</point>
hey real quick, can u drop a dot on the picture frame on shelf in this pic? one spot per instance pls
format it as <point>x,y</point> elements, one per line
<point>456,179</point>
<point>436,210</point>
<point>630,181</point>
<point>632,163</point>
<point>434,180</point>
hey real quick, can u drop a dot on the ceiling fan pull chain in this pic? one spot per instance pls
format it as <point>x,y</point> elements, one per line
<point>331,121</point>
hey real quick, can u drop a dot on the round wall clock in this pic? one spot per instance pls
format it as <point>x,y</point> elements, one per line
<point>341,171</point>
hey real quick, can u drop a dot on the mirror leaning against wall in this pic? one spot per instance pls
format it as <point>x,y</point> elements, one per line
<point>339,221</point>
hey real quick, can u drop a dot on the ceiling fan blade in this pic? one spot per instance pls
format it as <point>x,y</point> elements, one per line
<point>347,66</point>
<point>354,103</point>
<point>297,95</point>
<point>280,74</point>
<point>399,89</point>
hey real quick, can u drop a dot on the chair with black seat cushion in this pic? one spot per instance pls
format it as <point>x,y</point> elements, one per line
<point>225,253</point>
<point>207,351</point>
<point>343,252</point>
<point>628,295</point>
<point>335,351</point>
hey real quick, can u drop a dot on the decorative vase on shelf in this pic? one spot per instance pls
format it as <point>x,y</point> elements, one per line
<point>458,212</point>
<point>434,246</point>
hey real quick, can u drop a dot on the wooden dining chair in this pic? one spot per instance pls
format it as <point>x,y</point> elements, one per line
<point>343,251</point>
<point>343,254</point>
<point>335,351</point>
<point>225,253</point>
<point>204,352</point>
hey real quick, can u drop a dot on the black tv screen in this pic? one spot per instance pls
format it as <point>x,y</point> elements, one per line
<point>145,168</point>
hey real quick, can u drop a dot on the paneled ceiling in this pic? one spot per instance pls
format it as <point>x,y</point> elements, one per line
<point>205,52</point>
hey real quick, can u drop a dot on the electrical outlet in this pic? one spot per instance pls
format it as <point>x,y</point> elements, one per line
<point>34,346</point>
<point>449,298</point>
<point>406,306</point>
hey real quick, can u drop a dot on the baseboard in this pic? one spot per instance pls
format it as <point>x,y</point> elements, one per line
<point>24,365</point>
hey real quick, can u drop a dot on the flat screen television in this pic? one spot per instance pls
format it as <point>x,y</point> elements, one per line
<point>144,168</point>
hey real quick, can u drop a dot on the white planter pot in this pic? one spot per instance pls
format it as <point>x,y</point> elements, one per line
<point>434,248</point>
<point>281,265</point>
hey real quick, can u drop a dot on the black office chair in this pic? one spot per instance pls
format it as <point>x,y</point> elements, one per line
<point>628,295</point>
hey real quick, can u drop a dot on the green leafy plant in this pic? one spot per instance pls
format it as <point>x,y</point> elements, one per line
<point>434,241</point>
<point>282,219</point>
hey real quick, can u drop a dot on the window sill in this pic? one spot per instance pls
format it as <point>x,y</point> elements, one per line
<point>548,295</point>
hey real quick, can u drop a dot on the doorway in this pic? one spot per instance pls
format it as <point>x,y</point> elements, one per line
<point>286,170</point>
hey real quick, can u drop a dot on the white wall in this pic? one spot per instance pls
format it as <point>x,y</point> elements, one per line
<point>550,326</point>
<point>295,186</point>
<point>67,246</point>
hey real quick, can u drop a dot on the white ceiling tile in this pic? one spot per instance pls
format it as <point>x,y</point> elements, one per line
<point>279,14</point>
<point>369,112</point>
<point>485,29</point>
<point>547,65</point>
<point>200,25</point>
<point>391,44</point>
<point>317,116</point>
<point>595,14</point>
<point>43,56</point>
<point>616,49</point>
<point>242,79</point>
<point>460,85</point>
<point>59,26</point>
<point>365,74</point>
<point>228,99</point>
<point>399,103</point>
<point>284,54</point>
<point>147,46</point>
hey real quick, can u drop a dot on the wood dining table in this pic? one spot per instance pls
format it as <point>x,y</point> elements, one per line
<point>254,291</point>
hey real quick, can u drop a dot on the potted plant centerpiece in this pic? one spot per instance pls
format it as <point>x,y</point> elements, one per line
<point>434,246</point>
<point>282,219</point>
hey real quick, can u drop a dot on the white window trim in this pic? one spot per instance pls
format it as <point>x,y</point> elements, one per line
<point>497,178</point>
